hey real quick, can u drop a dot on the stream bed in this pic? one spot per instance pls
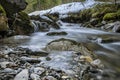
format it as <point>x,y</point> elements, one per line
<point>81,54</point>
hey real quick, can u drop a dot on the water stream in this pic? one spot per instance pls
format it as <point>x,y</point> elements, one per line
<point>93,39</point>
<point>90,37</point>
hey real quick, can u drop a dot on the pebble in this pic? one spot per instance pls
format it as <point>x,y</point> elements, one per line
<point>97,63</point>
<point>65,77</point>
<point>39,70</point>
<point>49,78</point>
<point>86,58</point>
<point>30,60</point>
<point>34,76</point>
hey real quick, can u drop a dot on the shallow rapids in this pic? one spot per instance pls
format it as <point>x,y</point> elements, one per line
<point>104,44</point>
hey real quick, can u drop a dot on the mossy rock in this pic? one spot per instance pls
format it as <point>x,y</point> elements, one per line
<point>95,15</point>
<point>94,21</point>
<point>24,17</point>
<point>54,16</point>
<point>110,16</point>
<point>108,10</point>
<point>85,15</point>
<point>23,24</point>
<point>118,14</point>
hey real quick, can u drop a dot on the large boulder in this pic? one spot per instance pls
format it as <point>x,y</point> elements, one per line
<point>23,25</point>
<point>13,6</point>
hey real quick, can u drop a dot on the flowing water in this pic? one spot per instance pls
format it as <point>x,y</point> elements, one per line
<point>104,44</point>
<point>93,39</point>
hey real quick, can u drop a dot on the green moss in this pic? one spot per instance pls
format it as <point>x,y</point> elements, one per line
<point>110,16</point>
<point>2,11</point>
<point>95,15</point>
<point>24,16</point>
<point>108,10</point>
<point>85,15</point>
<point>118,14</point>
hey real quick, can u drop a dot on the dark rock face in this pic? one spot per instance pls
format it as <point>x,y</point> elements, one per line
<point>13,6</point>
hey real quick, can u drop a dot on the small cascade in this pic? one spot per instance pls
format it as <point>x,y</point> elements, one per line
<point>36,28</point>
<point>40,26</point>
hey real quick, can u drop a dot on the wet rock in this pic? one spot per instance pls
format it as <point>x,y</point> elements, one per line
<point>48,58</point>
<point>8,71</point>
<point>62,44</point>
<point>65,77</point>
<point>39,70</point>
<point>19,39</point>
<point>23,25</point>
<point>79,17</point>
<point>23,75</point>
<point>40,26</point>
<point>97,63</point>
<point>7,65</point>
<point>30,60</point>
<point>56,33</point>
<point>114,27</point>
<point>53,16</point>
<point>94,21</point>
<point>2,55</point>
<point>110,40</point>
<point>49,78</point>
<point>50,22</point>
<point>34,76</point>
<point>36,53</point>
<point>86,58</point>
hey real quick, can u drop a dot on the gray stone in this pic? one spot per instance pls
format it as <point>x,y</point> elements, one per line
<point>39,70</point>
<point>34,76</point>
<point>23,75</point>
<point>49,78</point>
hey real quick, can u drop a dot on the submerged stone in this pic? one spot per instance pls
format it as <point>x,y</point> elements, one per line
<point>56,33</point>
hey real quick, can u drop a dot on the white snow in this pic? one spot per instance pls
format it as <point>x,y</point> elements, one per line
<point>66,8</point>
